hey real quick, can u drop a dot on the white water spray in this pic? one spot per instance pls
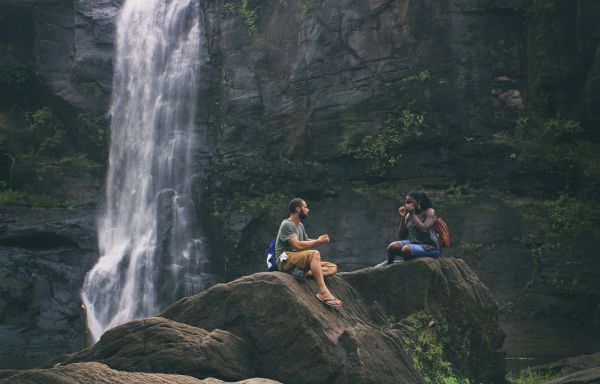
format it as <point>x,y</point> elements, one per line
<point>146,234</point>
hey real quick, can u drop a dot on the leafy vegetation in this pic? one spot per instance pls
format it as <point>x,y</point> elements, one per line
<point>39,157</point>
<point>426,344</point>
<point>387,323</point>
<point>383,148</point>
<point>459,191</point>
<point>530,376</point>
<point>93,89</point>
<point>14,77</point>
<point>247,9</point>
<point>93,136</point>
<point>421,77</point>
<point>48,132</point>
<point>270,204</point>
<point>17,198</point>
<point>557,147</point>
<point>554,224</point>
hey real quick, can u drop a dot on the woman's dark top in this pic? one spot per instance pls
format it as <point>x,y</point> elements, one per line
<point>426,239</point>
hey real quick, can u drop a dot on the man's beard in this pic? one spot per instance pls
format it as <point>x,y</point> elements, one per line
<point>303,216</point>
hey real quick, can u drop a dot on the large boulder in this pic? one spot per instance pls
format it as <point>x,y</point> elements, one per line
<point>92,373</point>
<point>296,339</point>
<point>160,345</point>
<point>269,325</point>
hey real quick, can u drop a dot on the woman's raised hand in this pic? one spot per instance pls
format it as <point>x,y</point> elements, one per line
<point>402,211</point>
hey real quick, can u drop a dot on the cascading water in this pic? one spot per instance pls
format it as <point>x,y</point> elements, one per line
<point>146,236</point>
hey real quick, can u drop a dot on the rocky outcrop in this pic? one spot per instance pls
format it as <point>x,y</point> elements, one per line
<point>89,373</point>
<point>269,325</point>
<point>160,345</point>
<point>71,44</point>
<point>44,255</point>
<point>586,376</point>
<point>296,339</point>
<point>571,364</point>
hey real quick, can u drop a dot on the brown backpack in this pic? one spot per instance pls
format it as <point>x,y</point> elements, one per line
<point>442,231</point>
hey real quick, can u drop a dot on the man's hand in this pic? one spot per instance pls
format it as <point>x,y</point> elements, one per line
<point>323,239</point>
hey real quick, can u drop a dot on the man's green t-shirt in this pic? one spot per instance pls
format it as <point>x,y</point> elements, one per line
<point>287,230</point>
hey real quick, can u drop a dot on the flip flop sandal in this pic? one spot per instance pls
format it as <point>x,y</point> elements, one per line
<point>327,302</point>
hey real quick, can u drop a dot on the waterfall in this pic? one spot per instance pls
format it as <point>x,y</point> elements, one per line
<point>148,238</point>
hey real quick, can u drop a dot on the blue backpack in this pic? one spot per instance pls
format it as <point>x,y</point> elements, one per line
<point>271,260</point>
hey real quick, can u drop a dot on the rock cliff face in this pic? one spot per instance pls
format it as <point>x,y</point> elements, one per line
<point>44,256</point>
<point>295,92</point>
<point>291,92</point>
<point>269,325</point>
<point>71,44</point>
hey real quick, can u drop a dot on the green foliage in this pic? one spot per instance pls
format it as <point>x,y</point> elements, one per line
<point>561,217</point>
<point>93,89</point>
<point>529,376</point>
<point>570,286</point>
<point>459,191</point>
<point>14,77</point>
<point>554,130</point>
<point>387,323</point>
<point>79,161</point>
<point>421,77</point>
<point>271,204</point>
<point>229,9</point>
<point>425,341</point>
<point>556,145</point>
<point>247,9</point>
<point>466,248</point>
<point>17,198</point>
<point>93,136</point>
<point>552,222</point>
<point>306,12</point>
<point>522,127</point>
<point>569,215</point>
<point>382,149</point>
<point>48,132</point>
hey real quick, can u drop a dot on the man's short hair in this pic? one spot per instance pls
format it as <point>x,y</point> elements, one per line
<point>296,202</point>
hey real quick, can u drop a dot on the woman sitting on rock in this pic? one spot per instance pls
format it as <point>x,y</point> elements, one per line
<point>416,227</point>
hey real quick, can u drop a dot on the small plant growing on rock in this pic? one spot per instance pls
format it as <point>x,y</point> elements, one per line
<point>424,340</point>
<point>459,191</point>
<point>247,9</point>
<point>382,149</point>
<point>530,376</point>
<point>387,323</point>
<point>421,77</point>
<point>48,132</point>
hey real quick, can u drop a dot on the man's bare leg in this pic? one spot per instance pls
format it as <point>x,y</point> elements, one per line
<point>317,272</point>
<point>328,270</point>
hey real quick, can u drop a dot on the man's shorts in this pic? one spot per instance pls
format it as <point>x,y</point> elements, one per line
<point>301,259</point>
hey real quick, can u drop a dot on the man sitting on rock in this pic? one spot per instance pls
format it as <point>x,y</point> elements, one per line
<point>292,250</point>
